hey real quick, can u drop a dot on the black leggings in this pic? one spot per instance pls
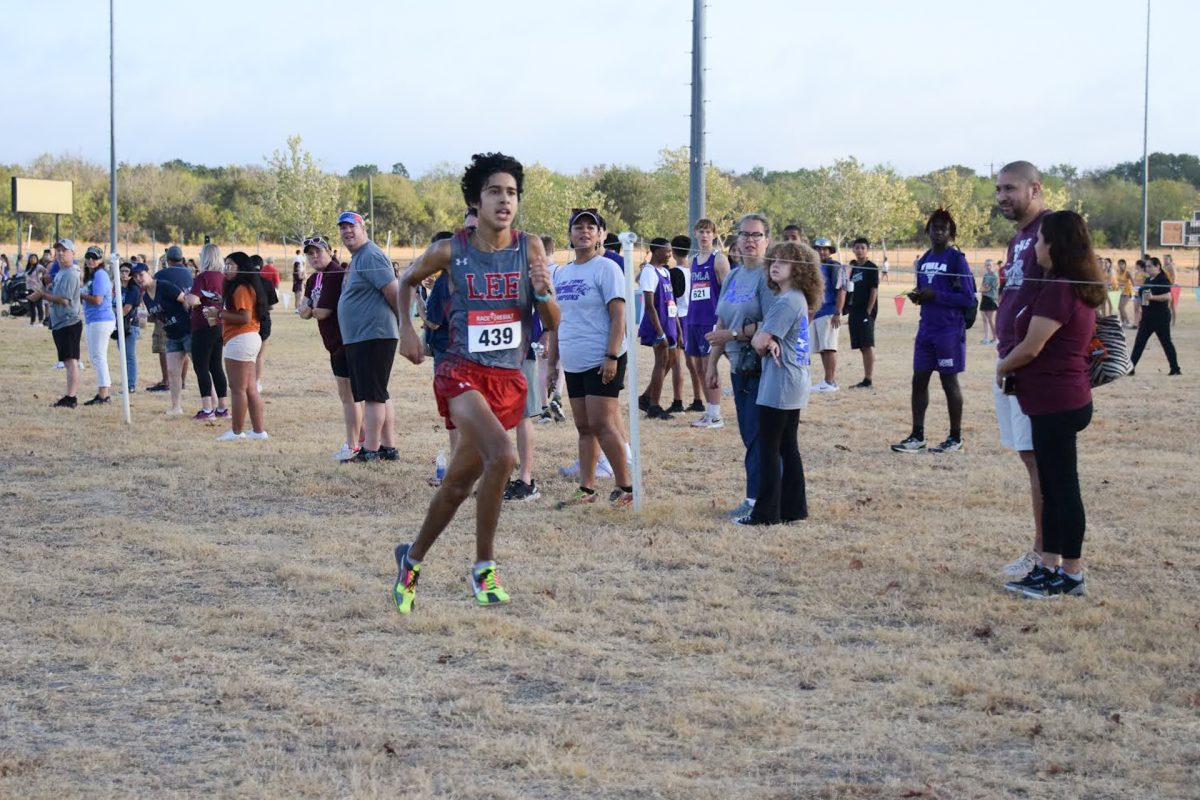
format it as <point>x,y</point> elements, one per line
<point>1160,325</point>
<point>1063,518</point>
<point>781,496</point>
<point>37,311</point>
<point>206,360</point>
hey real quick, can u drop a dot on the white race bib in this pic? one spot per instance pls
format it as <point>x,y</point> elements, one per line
<point>672,311</point>
<point>498,329</point>
<point>701,291</point>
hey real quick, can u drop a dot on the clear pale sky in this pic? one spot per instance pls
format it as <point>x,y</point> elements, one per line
<point>790,84</point>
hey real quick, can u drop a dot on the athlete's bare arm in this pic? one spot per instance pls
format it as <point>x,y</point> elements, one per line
<point>435,259</point>
<point>721,266</point>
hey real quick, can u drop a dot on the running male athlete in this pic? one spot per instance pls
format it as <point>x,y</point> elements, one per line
<point>497,274</point>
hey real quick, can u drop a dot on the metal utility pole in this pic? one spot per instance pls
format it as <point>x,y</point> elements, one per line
<point>371,205</point>
<point>113,260</point>
<point>696,189</point>
<point>1146,141</point>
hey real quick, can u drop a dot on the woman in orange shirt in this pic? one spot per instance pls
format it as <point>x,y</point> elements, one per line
<point>245,305</point>
<point>1124,282</point>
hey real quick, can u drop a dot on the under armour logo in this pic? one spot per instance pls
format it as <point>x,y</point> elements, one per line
<point>460,262</point>
<point>464,386</point>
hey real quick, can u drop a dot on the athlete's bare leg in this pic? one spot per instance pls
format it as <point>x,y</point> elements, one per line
<point>484,453</point>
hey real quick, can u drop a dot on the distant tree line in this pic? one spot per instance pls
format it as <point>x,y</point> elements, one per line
<point>288,196</point>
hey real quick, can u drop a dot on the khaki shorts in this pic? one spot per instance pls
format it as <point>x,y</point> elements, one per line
<point>158,339</point>
<point>825,336</point>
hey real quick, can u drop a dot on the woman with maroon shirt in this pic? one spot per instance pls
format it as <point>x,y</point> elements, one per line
<point>1048,371</point>
<point>207,350</point>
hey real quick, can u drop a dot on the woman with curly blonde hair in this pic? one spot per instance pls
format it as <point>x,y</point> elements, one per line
<point>794,276</point>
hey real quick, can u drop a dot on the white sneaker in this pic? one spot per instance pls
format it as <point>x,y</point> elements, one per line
<point>345,454</point>
<point>707,422</point>
<point>230,436</point>
<point>1023,565</point>
<point>571,471</point>
<point>603,468</point>
<point>257,436</point>
<point>173,412</point>
<point>825,387</point>
<point>60,365</point>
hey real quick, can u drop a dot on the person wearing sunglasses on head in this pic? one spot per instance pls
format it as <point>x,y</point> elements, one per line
<point>745,299</point>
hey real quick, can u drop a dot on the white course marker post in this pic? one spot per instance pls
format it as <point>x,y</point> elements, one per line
<point>628,239</point>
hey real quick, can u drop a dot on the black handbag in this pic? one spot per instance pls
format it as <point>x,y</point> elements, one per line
<point>749,363</point>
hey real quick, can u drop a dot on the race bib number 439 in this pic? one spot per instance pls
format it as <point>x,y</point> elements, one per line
<point>498,329</point>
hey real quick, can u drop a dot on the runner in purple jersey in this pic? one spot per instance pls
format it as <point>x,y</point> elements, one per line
<point>496,275</point>
<point>945,289</point>
<point>1019,196</point>
<point>659,328</point>
<point>709,269</point>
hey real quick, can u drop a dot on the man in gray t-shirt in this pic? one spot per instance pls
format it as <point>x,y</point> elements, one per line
<point>66,315</point>
<point>368,312</point>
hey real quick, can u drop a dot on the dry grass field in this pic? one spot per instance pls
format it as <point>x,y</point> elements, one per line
<point>184,618</point>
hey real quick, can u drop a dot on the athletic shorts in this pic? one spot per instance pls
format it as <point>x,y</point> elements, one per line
<point>66,341</point>
<point>1016,433</point>
<point>987,304</point>
<point>862,331</point>
<point>945,353</point>
<point>370,365</point>
<point>694,343</point>
<point>264,328</point>
<point>339,364</point>
<point>589,383</point>
<point>180,345</point>
<point>672,339</point>
<point>243,347</point>
<point>503,389</point>
<point>158,339</point>
<point>533,395</point>
<point>824,335</point>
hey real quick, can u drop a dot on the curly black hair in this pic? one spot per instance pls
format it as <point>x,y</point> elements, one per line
<point>940,215</point>
<point>485,165</point>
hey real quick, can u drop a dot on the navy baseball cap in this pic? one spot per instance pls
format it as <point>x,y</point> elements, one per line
<point>352,217</point>
<point>174,253</point>
<point>585,212</point>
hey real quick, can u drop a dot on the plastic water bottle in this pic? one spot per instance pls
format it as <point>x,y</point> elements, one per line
<point>439,465</point>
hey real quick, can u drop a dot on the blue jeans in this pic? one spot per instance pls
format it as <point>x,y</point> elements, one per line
<point>745,397</point>
<point>131,357</point>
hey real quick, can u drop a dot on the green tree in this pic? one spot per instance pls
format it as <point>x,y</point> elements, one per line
<point>399,169</point>
<point>549,197</point>
<point>299,195</point>
<point>954,189</point>
<point>666,210</point>
<point>361,171</point>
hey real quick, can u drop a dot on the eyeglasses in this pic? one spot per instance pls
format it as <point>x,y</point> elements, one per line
<point>753,236</point>
<point>575,211</point>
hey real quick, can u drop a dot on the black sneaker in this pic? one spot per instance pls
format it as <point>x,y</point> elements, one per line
<point>1036,579</point>
<point>66,401</point>
<point>520,490</point>
<point>951,445</point>
<point>363,456</point>
<point>865,383</point>
<point>657,412</point>
<point>675,408</point>
<point>388,454</point>
<point>98,401</point>
<point>158,387</point>
<point>643,403</point>
<point>1176,371</point>
<point>696,406</point>
<point>1058,583</point>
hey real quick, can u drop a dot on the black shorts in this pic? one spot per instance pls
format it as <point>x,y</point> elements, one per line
<point>66,341</point>
<point>264,328</point>
<point>370,367</point>
<point>589,383</point>
<point>987,304</point>
<point>339,364</point>
<point>862,331</point>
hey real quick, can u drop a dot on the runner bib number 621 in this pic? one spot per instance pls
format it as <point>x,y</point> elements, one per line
<point>493,330</point>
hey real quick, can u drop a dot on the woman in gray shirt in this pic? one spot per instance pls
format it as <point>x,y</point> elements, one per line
<point>744,300</point>
<point>782,340</point>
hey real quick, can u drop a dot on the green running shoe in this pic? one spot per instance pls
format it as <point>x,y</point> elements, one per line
<point>404,591</point>
<point>488,591</point>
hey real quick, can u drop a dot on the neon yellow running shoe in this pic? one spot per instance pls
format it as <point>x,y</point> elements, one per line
<point>488,591</point>
<point>404,591</point>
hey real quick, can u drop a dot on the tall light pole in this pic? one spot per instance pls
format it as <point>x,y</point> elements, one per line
<point>696,189</point>
<point>113,263</point>
<point>1146,141</point>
